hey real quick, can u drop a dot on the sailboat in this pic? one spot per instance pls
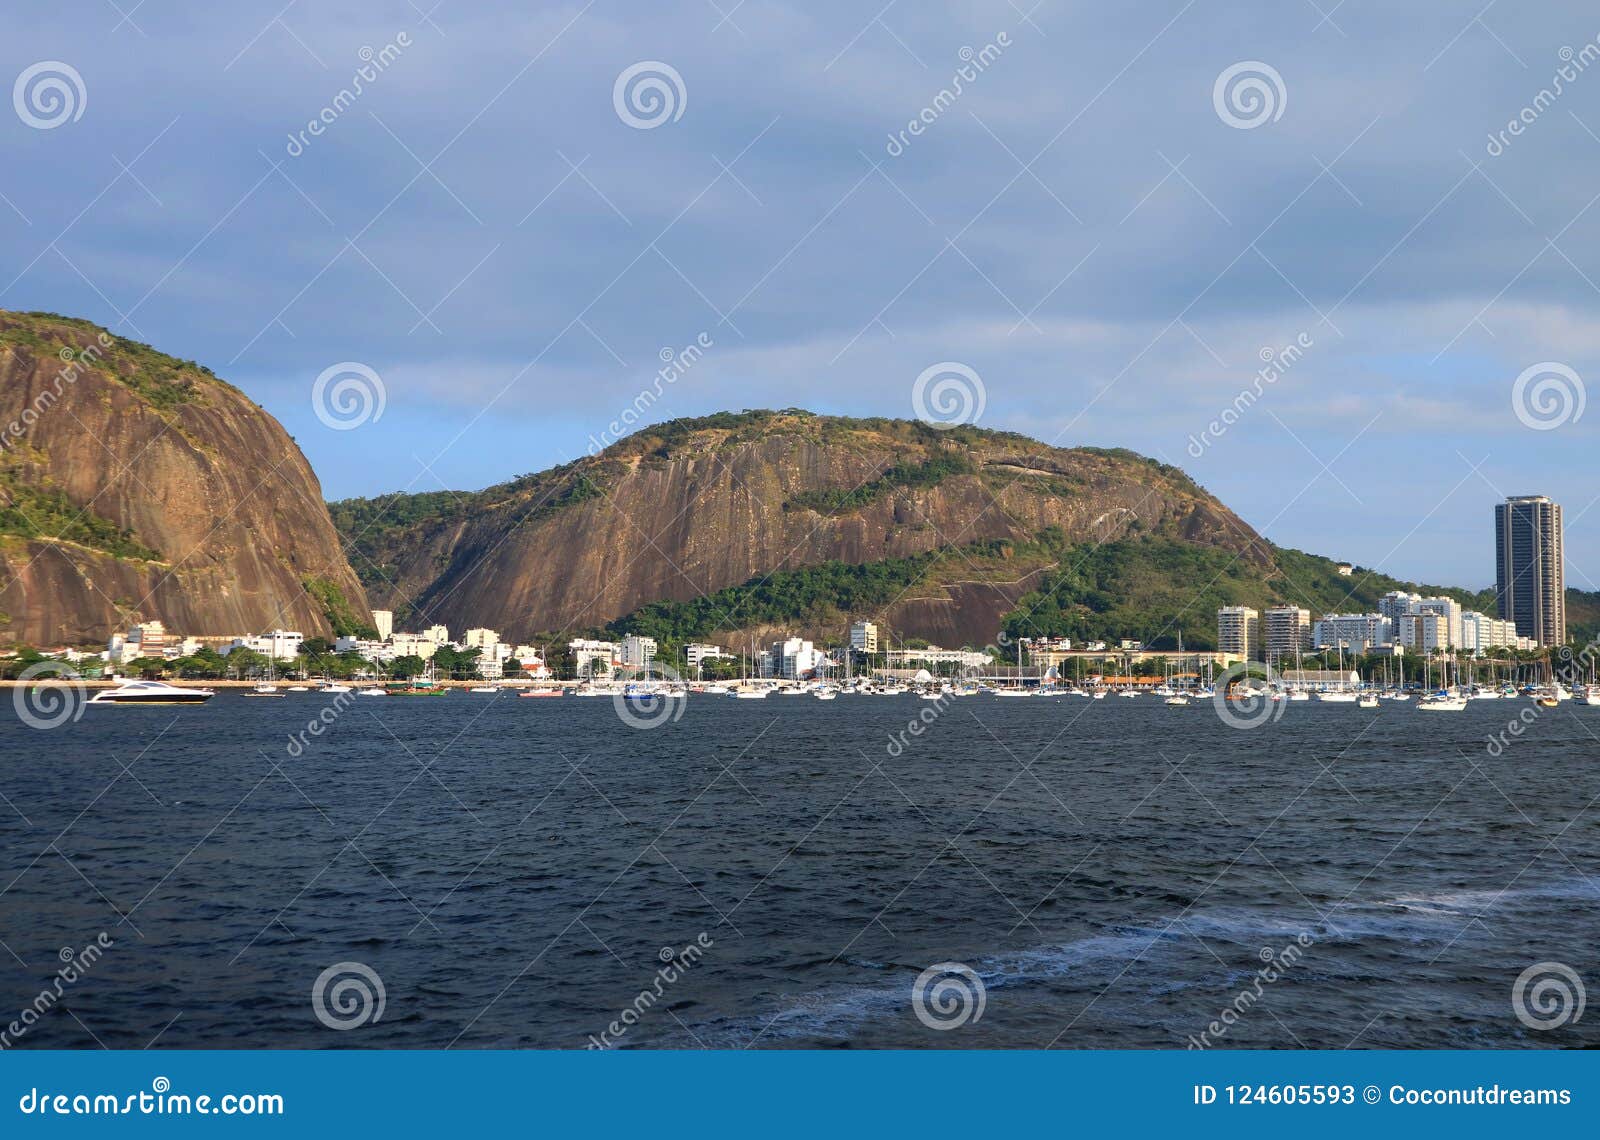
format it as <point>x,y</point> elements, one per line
<point>1447,699</point>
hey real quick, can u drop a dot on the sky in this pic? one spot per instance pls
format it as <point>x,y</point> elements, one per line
<point>1096,235</point>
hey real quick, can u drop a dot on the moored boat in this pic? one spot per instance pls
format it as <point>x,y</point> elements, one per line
<point>150,693</point>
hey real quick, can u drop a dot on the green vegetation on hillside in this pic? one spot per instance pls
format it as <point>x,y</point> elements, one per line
<point>816,597</point>
<point>342,615</point>
<point>164,381</point>
<point>29,511</point>
<point>900,476</point>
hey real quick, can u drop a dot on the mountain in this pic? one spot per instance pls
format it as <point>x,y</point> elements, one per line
<point>134,485</point>
<point>969,519</point>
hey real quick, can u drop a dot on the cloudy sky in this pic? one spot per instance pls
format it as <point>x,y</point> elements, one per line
<point>1118,215</point>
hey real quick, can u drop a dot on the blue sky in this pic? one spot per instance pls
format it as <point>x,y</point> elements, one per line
<point>1081,227</point>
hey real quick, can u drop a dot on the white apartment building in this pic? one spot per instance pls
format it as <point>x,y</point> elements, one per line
<point>437,634</point>
<point>593,658</point>
<point>698,654</point>
<point>1239,631</point>
<point>1423,632</point>
<point>1287,631</point>
<point>280,644</point>
<point>420,645</point>
<point>383,622</point>
<point>484,639</point>
<point>792,659</point>
<point>637,652</point>
<point>1356,632</point>
<point>864,637</point>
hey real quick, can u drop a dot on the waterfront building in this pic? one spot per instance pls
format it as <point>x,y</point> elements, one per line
<point>1357,632</point>
<point>792,659</point>
<point>484,639</point>
<point>383,622</point>
<point>593,658</point>
<point>698,654</point>
<point>1423,632</point>
<point>280,644</point>
<point>438,634</point>
<point>934,656</point>
<point>1530,574</point>
<point>1239,631</point>
<point>864,637</point>
<point>637,652</point>
<point>1287,631</point>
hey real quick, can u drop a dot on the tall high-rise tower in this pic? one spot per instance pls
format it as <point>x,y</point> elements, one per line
<point>1530,581</point>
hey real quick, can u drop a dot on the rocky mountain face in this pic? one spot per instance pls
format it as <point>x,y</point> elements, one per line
<point>133,485</point>
<point>682,510</point>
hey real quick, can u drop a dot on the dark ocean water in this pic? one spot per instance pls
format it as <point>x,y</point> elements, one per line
<point>1114,872</point>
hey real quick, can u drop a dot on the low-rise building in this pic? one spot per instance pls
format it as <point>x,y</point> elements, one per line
<point>591,658</point>
<point>697,654</point>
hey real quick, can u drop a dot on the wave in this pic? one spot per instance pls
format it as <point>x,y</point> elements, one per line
<point>1415,918</point>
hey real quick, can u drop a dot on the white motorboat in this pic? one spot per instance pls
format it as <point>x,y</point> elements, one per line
<point>484,689</point>
<point>332,687</point>
<point>1442,702</point>
<point>1337,696</point>
<point>751,694</point>
<point>298,689</point>
<point>1177,699</point>
<point>1368,700</point>
<point>366,691</point>
<point>264,690</point>
<point>150,693</point>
